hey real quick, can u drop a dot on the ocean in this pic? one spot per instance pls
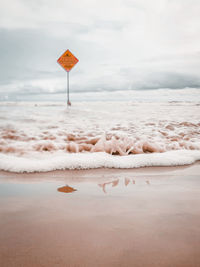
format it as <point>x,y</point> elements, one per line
<point>116,129</point>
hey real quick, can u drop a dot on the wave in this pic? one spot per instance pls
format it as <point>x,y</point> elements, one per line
<point>119,132</point>
<point>119,140</point>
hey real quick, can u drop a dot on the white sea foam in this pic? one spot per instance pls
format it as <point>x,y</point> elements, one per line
<point>96,160</point>
<point>49,136</point>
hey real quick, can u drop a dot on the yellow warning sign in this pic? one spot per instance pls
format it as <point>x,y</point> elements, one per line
<point>67,60</point>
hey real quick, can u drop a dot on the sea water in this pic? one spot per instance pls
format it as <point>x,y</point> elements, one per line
<point>122,129</point>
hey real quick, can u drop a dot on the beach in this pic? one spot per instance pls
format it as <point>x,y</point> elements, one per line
<point>103,217</point>
<point>99,133</point>
<point>102,183</point>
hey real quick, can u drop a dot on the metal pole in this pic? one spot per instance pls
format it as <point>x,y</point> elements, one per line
<point>68,102</point>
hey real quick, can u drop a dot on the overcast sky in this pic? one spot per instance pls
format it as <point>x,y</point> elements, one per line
<point>120,44</point>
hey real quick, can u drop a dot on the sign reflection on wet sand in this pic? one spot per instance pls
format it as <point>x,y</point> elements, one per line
<point>66,189</point>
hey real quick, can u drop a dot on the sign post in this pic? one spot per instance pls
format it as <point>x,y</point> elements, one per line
<point>68,102</point>
<point>67,61</point>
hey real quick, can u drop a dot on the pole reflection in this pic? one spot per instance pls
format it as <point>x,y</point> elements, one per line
<point>114,183</point>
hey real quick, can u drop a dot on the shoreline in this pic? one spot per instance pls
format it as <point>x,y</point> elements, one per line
<point>190,169</point>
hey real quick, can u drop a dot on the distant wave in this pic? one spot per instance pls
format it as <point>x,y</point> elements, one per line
<point>89,95</point>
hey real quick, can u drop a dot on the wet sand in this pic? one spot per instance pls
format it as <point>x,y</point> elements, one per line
<point>104,217</point>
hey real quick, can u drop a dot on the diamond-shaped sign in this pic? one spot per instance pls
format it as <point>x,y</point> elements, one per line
<point>67,60</point>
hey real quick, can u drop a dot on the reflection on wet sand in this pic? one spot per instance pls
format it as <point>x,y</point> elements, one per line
<point>103,185</point>
<point>116,182</point>
<point>66,189</point>
<point>126,181</point>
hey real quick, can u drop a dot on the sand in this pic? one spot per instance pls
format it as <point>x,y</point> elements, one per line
<point>104,217</point>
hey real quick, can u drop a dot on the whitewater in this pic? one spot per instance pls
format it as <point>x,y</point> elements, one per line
<point>124,129</point>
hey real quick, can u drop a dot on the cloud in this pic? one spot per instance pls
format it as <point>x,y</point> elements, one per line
<point>129,44</point>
